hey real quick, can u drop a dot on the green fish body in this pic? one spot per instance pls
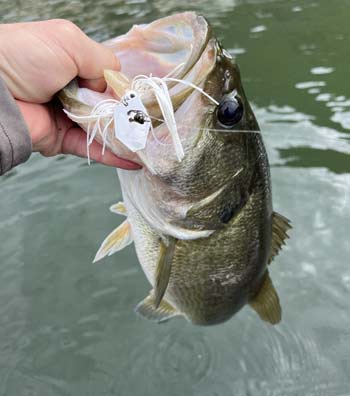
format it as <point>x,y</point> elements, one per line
<point>204,228</point>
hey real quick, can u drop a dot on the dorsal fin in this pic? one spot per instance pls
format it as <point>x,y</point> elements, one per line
<point>266,302</point>
<point>280,226</point>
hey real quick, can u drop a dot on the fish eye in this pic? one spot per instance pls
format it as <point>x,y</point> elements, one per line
<point>230,111</point>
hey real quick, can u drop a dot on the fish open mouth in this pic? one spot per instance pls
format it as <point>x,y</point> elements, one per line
<point>172,45</point>
<point>176,49</point>
<point>179,47</point>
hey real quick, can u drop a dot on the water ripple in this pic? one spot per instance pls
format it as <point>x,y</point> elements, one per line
<point>182,356</point>
<point>322,70</point>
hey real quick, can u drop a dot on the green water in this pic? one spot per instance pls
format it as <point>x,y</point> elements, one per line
<point>67,327</point>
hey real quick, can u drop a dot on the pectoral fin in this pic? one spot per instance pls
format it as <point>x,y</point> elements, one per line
<point>266,302</point>
<point>163,270</point>
<point>280,226</point>
<point>165,311</point>
<point>119,208</point>
<point>115,241</point>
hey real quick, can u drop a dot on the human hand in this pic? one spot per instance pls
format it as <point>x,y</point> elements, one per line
<point>38,59</point>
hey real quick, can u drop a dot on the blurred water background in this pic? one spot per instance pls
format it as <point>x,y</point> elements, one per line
<point>67,327</point>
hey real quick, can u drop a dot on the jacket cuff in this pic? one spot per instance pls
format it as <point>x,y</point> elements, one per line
<point>15,141</point>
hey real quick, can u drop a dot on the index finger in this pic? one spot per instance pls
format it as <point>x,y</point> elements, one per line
<point>74,142</point>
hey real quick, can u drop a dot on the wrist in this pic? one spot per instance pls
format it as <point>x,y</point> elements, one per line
<point>38,121</point>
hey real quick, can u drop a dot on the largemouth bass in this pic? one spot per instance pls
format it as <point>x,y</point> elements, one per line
<point>203,225</point>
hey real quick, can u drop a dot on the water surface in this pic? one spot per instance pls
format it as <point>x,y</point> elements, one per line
<point>67,327</point>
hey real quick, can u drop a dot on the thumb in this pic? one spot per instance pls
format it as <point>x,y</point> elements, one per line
<point>90,57</point>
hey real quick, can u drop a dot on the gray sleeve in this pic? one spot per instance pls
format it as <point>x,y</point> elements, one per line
<point>15,141</point>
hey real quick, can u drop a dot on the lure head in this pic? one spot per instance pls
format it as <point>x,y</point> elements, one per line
<point>160,130</point>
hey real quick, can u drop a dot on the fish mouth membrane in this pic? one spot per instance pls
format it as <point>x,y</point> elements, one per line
<point>160,47</point>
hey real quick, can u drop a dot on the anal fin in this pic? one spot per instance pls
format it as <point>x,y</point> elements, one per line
<point>266,302</point>
<point>280,226</point>
<point>164,312</point>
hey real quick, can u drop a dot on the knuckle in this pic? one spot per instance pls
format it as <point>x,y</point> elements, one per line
<point>65,27</point>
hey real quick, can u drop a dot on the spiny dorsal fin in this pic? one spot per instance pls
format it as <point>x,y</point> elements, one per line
<point>280,226</point>
<point>165,311</point>
<point>115,241</point>
<point>119,208</point>
<point>266,302</point>
<point>163,269</point>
